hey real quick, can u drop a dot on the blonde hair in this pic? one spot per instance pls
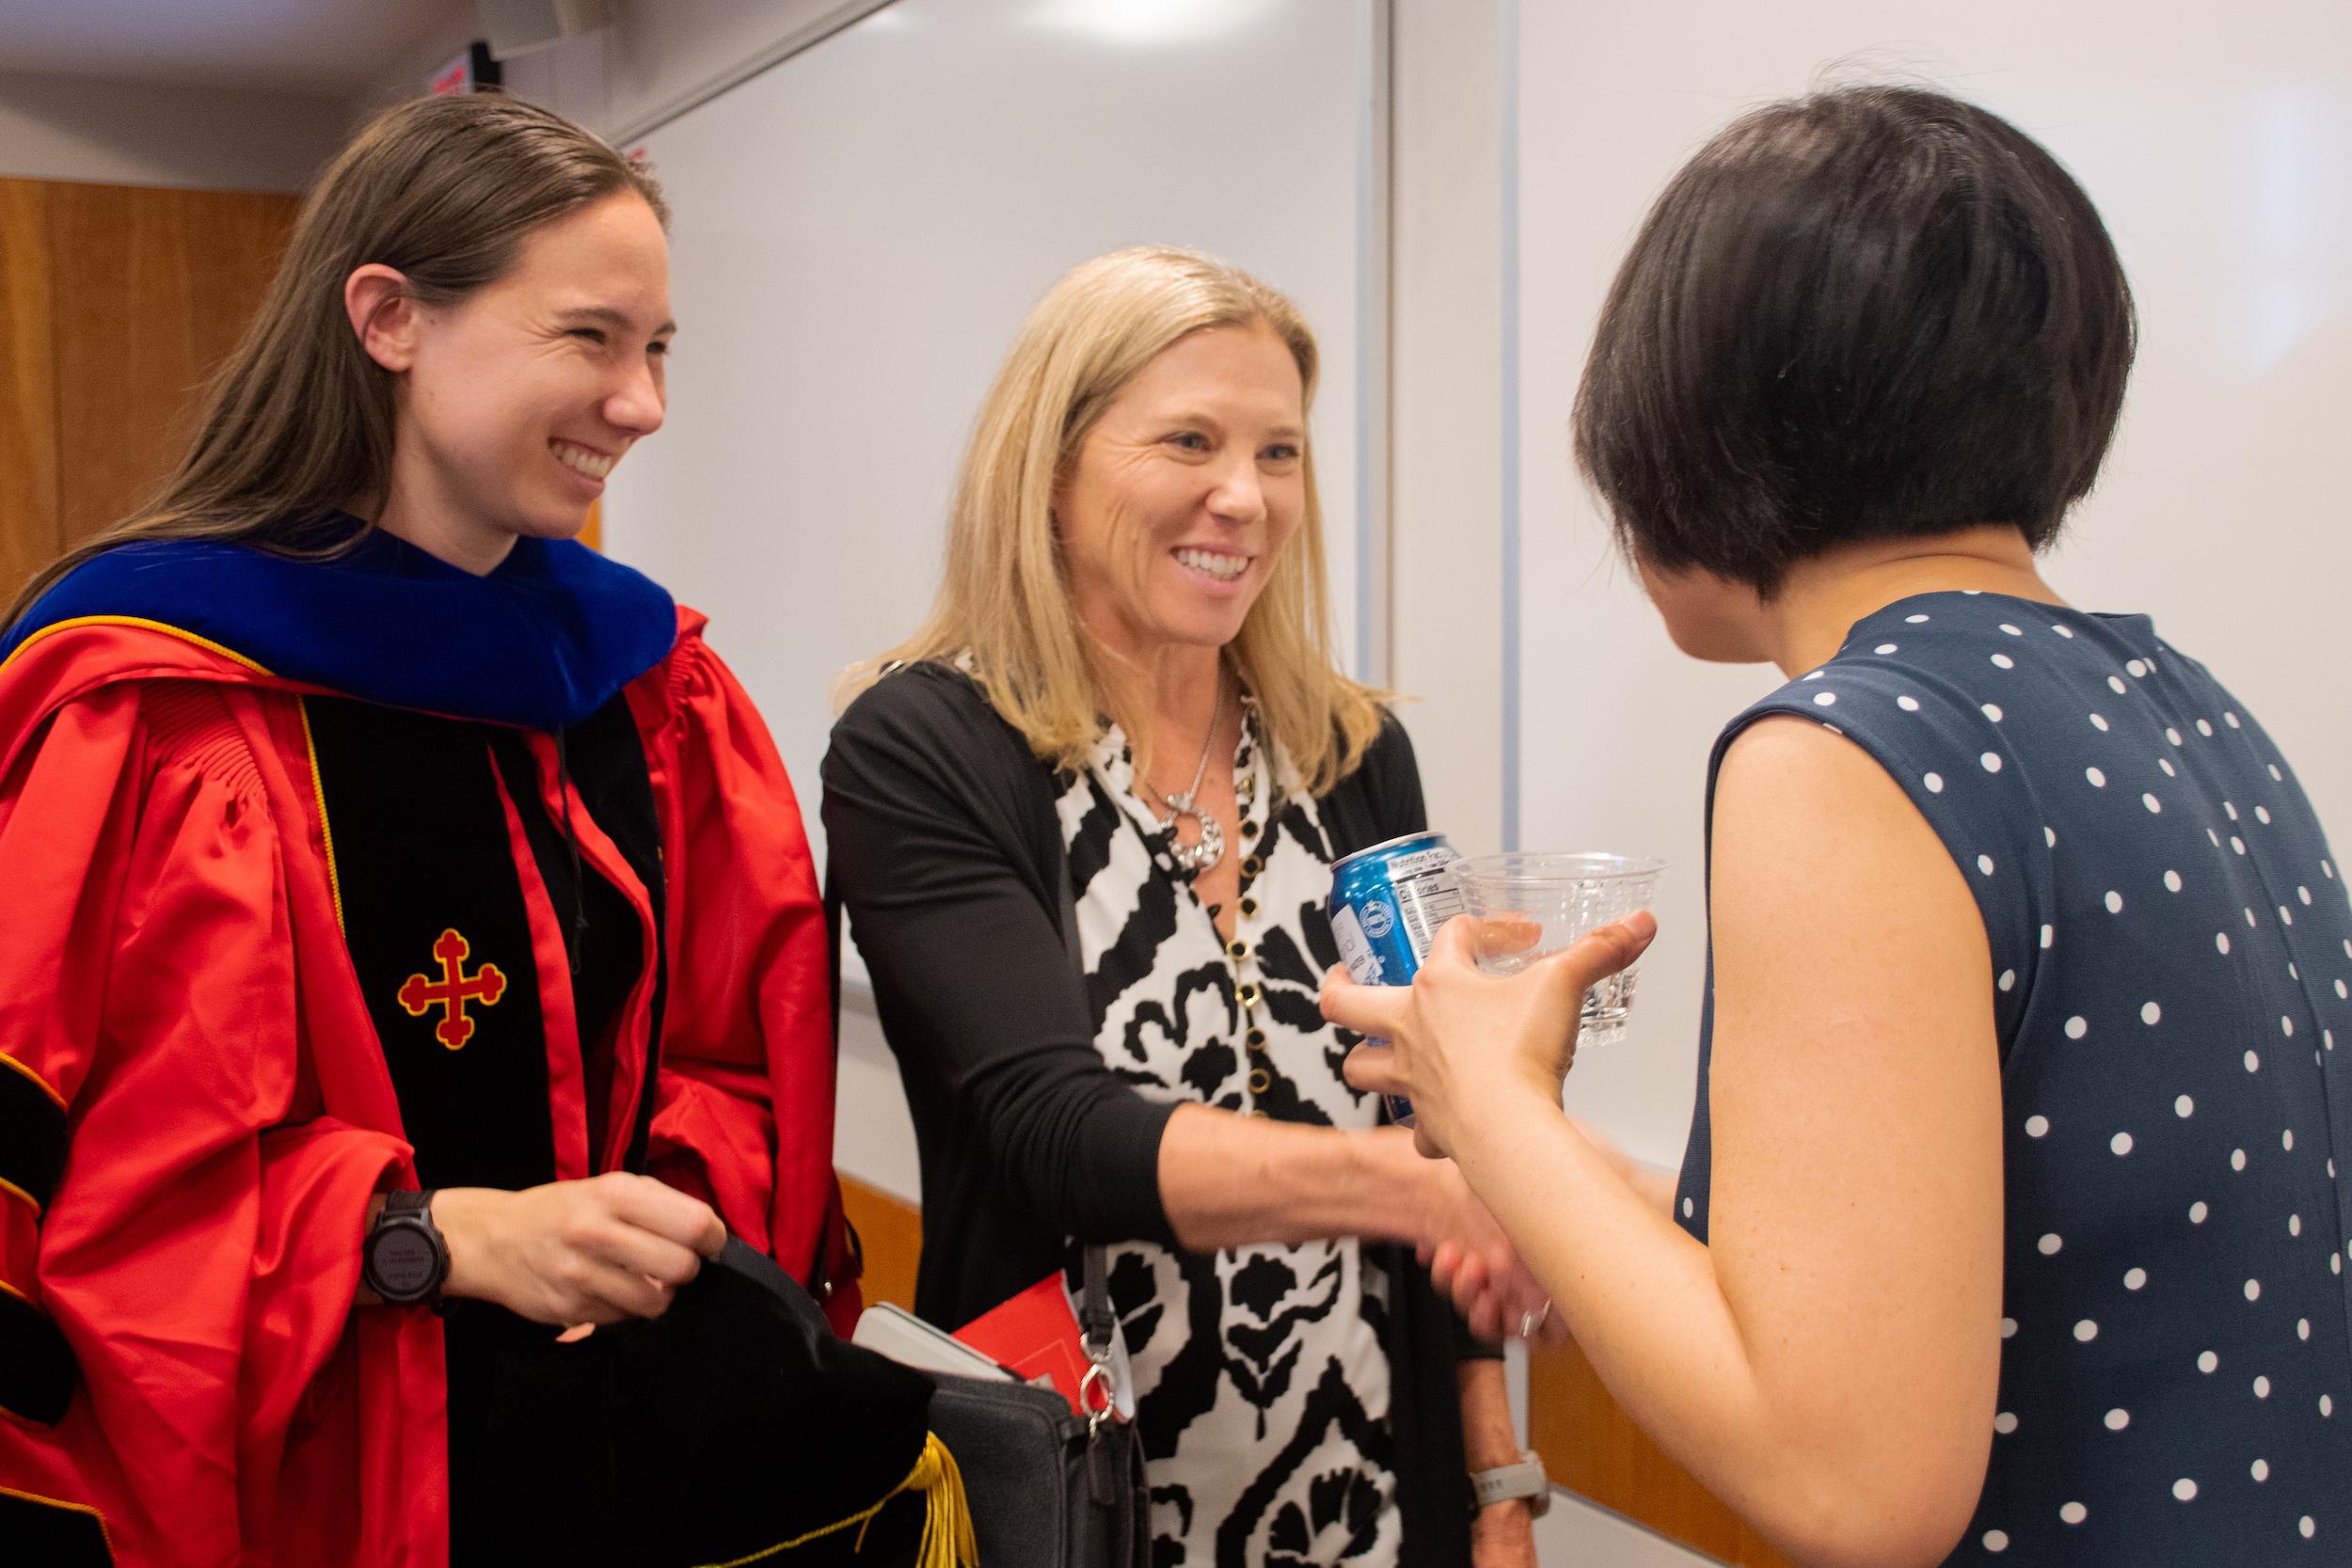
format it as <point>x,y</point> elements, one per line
<point>1004,609</point>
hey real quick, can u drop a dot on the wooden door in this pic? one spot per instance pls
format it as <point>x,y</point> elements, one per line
<point>1591,1447</point>
<point>29,392</point>
<point>149,290</point>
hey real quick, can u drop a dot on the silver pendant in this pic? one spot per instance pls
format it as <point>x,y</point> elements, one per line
<point>1204,851</point>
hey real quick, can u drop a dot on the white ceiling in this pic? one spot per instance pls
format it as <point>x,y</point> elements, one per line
<point>313,48</point>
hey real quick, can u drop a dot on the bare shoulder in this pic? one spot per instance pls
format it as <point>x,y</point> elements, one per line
<point>1785,762</point>
<point>1832,897</point>
<point>1800,802</point>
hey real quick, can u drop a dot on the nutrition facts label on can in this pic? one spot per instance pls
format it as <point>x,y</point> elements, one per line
<point>1421,862</point>
<point>1427,902</point>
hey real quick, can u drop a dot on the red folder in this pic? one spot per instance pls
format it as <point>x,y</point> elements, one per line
<point>1036,1334</point>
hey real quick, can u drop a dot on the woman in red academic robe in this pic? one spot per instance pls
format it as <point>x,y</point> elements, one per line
<point>360,834</point>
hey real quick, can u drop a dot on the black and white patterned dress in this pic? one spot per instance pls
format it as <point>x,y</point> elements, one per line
<point>1261,1384</point>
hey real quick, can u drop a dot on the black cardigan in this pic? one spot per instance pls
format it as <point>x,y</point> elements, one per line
<point>944,849</point>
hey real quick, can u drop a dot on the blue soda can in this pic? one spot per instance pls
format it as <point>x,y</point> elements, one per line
<point>1387,904</point>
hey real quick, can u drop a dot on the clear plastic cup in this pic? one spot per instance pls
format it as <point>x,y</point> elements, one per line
<point>1524,906</point>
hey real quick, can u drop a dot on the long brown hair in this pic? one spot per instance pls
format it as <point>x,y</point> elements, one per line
<point>1003,606</point>
<point>298,422</point>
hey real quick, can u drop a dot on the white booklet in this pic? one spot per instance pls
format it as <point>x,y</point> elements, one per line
<point>887,1330</point>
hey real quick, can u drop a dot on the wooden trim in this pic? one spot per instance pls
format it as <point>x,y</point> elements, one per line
<point>890,1232</point>
<point>29,539</point>
<point>1591,1447</point>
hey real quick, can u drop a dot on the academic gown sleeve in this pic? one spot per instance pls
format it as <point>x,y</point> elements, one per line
<point>743,1114</point>
<point>176,1215</point>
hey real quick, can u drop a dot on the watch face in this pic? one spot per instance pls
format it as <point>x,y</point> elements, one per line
<point>402,1257</point>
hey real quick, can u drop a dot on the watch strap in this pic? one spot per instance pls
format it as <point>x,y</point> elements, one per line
<point>1511,1482</point>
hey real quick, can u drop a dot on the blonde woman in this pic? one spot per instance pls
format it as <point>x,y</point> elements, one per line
<point>1083,822</point>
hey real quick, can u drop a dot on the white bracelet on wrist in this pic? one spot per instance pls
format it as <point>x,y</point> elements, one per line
<point>1524,1482</point>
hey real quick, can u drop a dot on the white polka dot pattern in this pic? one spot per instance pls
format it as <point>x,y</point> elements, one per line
<point>2166,1156</point>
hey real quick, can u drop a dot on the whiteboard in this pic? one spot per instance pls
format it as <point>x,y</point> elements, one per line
<point>2216,142</point>
<point>858,231</point>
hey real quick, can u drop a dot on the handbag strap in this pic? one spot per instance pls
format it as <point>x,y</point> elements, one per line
<point>1096,1321</point>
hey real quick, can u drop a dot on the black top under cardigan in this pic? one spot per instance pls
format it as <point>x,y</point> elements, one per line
<point>943,848</point>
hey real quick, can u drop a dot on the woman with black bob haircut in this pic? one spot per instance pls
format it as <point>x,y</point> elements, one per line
<point>2009,1226</point>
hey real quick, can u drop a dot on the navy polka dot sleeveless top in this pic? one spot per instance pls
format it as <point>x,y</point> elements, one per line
<point>2172,973</point>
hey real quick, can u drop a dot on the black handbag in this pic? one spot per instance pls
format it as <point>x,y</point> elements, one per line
<point>1049,1488</point>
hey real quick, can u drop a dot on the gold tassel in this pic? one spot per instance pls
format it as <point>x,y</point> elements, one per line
<point>947,1538</point>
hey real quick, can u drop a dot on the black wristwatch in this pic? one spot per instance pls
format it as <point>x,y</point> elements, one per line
<point>405,1260</point>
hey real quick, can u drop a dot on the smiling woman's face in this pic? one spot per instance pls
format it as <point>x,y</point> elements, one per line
<point>1185,493</point>
<point>517,399</point>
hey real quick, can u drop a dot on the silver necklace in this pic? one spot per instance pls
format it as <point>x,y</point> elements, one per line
<point>1209,849</point>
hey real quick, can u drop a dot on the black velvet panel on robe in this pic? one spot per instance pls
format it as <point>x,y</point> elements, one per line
<point>421,850</point>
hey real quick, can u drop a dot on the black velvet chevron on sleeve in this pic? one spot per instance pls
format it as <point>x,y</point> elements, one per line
<point>32,1135</point>
<point>53,1534</point>
<point>37,1370</point>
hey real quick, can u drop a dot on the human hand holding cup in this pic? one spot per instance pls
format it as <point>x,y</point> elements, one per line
<point>1460,1039</point>
<point>1526,906</point>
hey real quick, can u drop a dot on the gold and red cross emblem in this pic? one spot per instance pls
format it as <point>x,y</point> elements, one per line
<point>453,990</point>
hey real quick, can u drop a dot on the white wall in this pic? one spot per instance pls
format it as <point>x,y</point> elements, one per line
<point>1446,398</point>
<point>126,134</point>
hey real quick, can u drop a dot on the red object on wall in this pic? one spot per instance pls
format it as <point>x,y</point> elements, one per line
<point>468,73</point>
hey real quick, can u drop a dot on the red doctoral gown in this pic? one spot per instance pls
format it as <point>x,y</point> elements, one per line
<point>186,1035</point>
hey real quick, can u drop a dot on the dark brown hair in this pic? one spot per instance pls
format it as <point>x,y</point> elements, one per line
<point>1877,312</point>
<point>298,422</point>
